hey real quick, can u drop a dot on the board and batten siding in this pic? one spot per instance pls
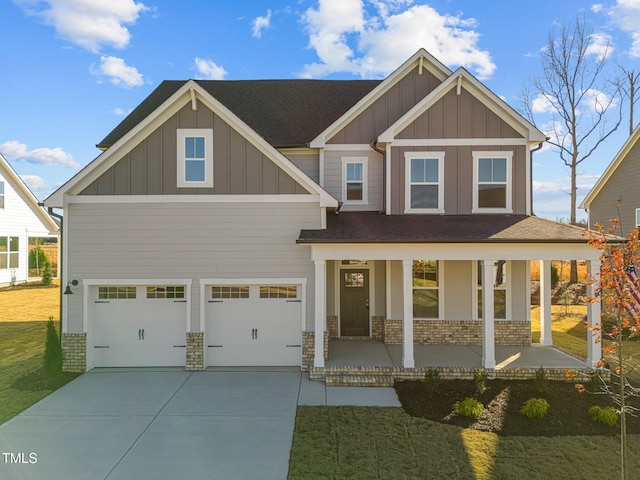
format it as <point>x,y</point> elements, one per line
<point>397,101</point>
<point>150,168</point>
<point>188,240</point>
<point>621,188</point>
<point>333,178</point>
<point>458,177</point>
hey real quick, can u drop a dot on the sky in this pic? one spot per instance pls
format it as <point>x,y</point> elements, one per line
<point>73,69</point>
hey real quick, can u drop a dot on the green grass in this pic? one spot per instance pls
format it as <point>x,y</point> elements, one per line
<point>21,381</point>
<point>386,443</point>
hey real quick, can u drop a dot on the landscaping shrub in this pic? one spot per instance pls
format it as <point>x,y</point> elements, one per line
<point>469,407</point>
<point>607,415</point>
<point>541,380</point>
<point>432,379</point>
<point>52,359</point>
<point>555,277</point>
<point>47,277</point>
<point>480,379</point>
<point>535,408</point>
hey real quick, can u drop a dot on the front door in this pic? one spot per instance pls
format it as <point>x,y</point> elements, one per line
<point>354,303</point>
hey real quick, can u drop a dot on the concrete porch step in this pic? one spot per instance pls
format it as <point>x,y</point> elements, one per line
<point>359,381</point>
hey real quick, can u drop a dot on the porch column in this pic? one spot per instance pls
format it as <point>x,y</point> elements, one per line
<point>594,344</point>
<point>545,303</point>
<point>320,301</point>
<point>488,331</point>
<point>407,317</point>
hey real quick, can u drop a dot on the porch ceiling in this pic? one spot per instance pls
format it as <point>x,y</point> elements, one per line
<point>371,227</point>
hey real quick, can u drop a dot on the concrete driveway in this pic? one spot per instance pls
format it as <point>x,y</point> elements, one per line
<point>167,424</point>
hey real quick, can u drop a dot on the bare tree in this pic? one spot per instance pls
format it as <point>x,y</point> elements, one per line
<point>628,85</point>
<point>585,109</point>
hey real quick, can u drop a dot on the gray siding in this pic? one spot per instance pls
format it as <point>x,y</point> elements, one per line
<point>188,240</point>
<point>387,109</point>
<point>622,188</point>
<point>458,177</point>
<point>150,168</point>
<point>519,291</point>
<point>333,178</point>
<point>309,163</point>
<point>459,116</point>
<point>458,290</point>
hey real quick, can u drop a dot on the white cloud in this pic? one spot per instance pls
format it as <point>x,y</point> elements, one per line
<point>37,185</point>
<point>50,157</point>
<point>626,15</point>
<point>120,73</point>
<point>600,45</point>
<point>260,24</point>
<point>209,70</point>
<point>119,111</point>
<point>597,7</point>
<point>542,104</point>
<point>90,24</point>
<point>598,101</point>
<point>347,38</point>
<point>552,198</point>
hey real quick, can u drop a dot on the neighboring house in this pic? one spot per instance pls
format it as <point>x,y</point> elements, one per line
<point>616,192</point>
<point>21,218</point>
<point>236,223</point>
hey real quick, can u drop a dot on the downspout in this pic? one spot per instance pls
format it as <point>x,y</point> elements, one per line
<point>374,146</point>
<point>531,152</point>
<point>60,260</point>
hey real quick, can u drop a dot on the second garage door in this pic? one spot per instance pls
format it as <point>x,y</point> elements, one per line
<point>253,325</point>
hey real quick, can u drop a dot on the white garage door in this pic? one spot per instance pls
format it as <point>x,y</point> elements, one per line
<point>249,325</point>
<point>141,326</point>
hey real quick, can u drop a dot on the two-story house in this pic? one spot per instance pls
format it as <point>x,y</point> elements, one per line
<point>616,194</point>
<point>251,222</point>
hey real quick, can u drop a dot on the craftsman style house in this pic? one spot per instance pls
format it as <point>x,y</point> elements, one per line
<point>616,193</point>
<point>21,218</point>
<point>253,222</point>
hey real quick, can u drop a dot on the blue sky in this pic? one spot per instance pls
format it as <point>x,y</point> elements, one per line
<point>72,69</point>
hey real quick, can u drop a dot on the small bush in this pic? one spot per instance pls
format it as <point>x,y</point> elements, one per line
<point>555,277</point>
<point>469,407</point>
<point>480,379</point>
<point>541,380</point>
<point>52,359</point>
<point>535,408</point>
<point>432,379</point>
<point>607,415</point>
<point>47,277</point>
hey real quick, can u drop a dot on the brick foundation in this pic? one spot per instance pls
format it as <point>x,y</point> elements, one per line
<point>74,352</point>
<point>309,348</point>
<point>195,351</point>
<point>377,328</point>
<point>463,332</point>
<point>332,323</point>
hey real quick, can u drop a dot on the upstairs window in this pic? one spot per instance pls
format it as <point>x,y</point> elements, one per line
<point>354,184</point>
<point>195,157</point>
<point>1,195</point>
<point>424,189</point>
<point>492,182</point>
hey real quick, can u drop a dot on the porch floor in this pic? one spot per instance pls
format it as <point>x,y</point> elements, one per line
<point>372,353</point>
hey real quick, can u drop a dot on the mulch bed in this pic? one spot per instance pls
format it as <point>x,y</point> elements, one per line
<point>502,399</point>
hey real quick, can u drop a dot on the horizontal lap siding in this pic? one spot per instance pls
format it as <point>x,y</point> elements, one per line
<point>188,241</point>
<point>333,178</point>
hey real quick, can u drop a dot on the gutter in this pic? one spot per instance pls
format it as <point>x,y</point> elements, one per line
<point>374,146</point>
<point>531,152</point>
<point>60,260</point>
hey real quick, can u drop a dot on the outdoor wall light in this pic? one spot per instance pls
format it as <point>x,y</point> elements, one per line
<point>68,291</point>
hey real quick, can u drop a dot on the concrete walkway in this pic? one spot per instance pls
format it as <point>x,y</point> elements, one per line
<point>168,424</point>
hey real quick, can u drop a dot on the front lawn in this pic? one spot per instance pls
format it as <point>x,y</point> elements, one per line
<point>386,443</point>
<point>29,302</point>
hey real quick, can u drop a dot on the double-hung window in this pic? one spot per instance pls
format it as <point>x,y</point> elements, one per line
<point>424,185</point>
<point>492,182</point>
<point>9,252</point>
<point>499,279</point>
<point>195,157</point>
<point>426,289</point>
<point>1,195</point>
<point>354,184</point>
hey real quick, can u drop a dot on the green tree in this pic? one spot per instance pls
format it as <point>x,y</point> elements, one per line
<point>47,276</point>
<point>52,359</point>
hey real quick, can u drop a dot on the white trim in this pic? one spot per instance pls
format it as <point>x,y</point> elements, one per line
<point>321,167</point>
<point>108,199</point>
<point>408,156</point>
<point>408,360</point>
<point>181,135</point>
<point>387,195</point>
<point>433,65</point>
<point>298,151</point>
<point>488,319</point>
<point>136,281</point>
<point>508,156</point>
<point>364,161</point>
<point>359,147</point>
<point>320,311</point>
<point>387,288</point>
<point>458,142</point>
<point>527,168</point>
<point>253,281</point>
<point>323,218</point>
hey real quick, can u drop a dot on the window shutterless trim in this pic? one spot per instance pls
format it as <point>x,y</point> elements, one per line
<point>182,135</point>
<point>508,156</point>
<point>408,156</point>
<point>364,161</point>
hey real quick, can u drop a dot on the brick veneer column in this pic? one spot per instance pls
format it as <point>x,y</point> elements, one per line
<point>74,352</point>
<point>195,351</point>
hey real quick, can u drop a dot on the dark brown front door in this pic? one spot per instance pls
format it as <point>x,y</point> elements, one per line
<point>354,303</point>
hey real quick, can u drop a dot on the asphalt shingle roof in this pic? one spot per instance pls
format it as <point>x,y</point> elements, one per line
<point>371,227</point>
<point>286,113</point>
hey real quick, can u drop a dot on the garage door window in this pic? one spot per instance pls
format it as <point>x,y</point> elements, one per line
<point>230,291</point>
<point>165,292</point>
<point>113,292</point>
<point>278,291</point>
